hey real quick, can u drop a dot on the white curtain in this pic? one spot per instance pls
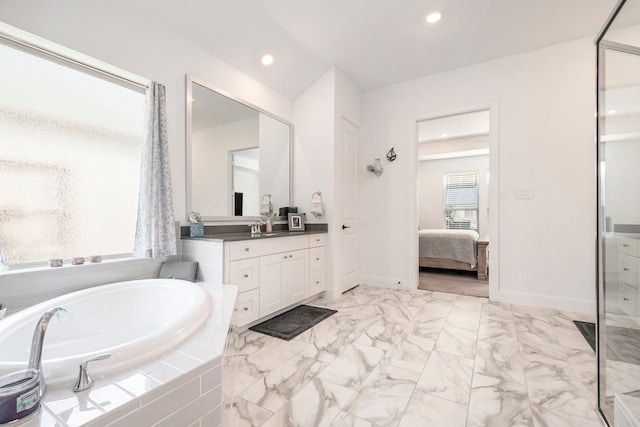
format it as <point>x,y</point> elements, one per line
<point>3,262</point>
<point>155,230</point>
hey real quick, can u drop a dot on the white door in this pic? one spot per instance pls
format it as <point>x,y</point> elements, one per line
<point>349,188</point>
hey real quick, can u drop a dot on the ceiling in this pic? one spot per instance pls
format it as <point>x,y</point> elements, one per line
<point>375,42</point>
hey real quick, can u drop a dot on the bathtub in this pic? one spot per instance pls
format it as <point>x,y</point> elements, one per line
<point>133,321</point>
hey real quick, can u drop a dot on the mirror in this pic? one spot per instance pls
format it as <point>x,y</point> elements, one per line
<point>238,156</point>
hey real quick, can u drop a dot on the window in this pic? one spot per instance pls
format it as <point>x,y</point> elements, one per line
<point>461,201</point>
<point>70,146</point>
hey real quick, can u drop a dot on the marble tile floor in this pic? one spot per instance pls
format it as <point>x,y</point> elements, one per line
<point>416,358</point>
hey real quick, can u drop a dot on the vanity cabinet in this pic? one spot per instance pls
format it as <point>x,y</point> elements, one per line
<point>273,273</point>
<point>628,275</point>
<point>284,280</point>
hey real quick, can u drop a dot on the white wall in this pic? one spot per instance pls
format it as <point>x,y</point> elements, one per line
<point>430,189</point>
<point>545,132</point>
<point>316,117</point>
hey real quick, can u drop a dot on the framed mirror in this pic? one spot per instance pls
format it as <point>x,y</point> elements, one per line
<point>238,156</point>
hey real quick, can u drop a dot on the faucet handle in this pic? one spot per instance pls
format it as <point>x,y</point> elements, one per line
<point>84,381</point>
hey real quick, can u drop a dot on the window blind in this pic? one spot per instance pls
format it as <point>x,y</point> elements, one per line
<point>461,201</point>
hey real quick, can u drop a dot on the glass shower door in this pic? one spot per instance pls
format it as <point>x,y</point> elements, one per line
<point>619,216</point>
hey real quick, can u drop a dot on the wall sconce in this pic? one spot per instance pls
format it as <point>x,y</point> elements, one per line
<point>376,167</point>
<point>391,155</point>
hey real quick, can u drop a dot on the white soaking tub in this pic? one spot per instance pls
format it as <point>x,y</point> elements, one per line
<point>133,321</point>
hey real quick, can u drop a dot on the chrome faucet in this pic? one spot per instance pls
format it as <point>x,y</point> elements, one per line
<point>255,227</point>
<point>35,356</point>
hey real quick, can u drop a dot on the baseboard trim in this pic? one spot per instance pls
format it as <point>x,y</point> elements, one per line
<point>578,305</point>
<point>387,282</point>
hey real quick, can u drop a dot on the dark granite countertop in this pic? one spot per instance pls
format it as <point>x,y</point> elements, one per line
<point>234,233</point>
<point>234,237</point>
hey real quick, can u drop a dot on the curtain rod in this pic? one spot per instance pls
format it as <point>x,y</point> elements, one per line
<point>26,45</point>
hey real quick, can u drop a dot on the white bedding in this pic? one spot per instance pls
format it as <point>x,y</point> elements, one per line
<point>458,245</point>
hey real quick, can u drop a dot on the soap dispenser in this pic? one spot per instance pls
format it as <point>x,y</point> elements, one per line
<point>269,225</point>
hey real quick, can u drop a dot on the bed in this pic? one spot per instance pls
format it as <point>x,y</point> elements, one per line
<point>453,249</point>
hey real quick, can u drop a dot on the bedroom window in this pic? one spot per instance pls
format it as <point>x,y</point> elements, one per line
<point>461,201</point>
<point>70,152</point>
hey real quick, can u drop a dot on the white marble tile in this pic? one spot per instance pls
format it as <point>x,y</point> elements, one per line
<point>570,337</point>
<point>411,352</point>
<point>270,356</point>
<point>466,319</point>
<point>469,303</point>
<point>434,309</point>
<point>497,330</point>
<point>244,414</point>
<point>499,361</point>
<point>352,367</point>
<point>345,419</point>
<point>381,334</point>
<point>444,296</point>
<point>457,341</point>
<point>425,410</point>
<point>553,386</point>
<point>384,395</point>
<point>448,377</point>
<point>279,385</point>
<point>543,417</point>
<point>397,312</point>
<point>429,328</point>
<point>497,403</point>
<point>318,403</point>
<point>414,358</point>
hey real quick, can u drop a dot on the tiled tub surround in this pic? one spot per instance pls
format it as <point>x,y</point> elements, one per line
<point>181,387</point>
<point>417,358</point>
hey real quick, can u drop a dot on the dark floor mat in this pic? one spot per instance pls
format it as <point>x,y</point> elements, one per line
<point>588,331</point>
<point>292,323</point>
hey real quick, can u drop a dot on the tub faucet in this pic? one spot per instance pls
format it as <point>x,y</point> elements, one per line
<point>35,356</point>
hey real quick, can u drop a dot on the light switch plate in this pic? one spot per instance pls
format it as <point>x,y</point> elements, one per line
<point>525,192</point>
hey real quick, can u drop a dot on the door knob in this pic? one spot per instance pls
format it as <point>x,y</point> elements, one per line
<point>344,227</point>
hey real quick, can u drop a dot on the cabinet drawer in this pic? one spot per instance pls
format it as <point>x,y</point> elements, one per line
<point>628,246</point>
<point>627,268</point>
<point>316,282</point>
<point>286,244</point>
<point>247,308</point>
<point>245,274</point>
<point>317,240</point>
<point>244,249</point>
<point>316,259</point>
<point>627,302</point>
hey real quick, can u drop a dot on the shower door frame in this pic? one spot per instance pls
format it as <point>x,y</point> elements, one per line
<point>602,46</point>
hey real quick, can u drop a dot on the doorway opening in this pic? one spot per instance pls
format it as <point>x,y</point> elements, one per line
<point>453,202</point>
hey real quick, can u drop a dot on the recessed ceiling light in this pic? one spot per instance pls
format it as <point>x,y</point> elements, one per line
<point>612,111</point>
<point>434,17</point>
<point>267,59</point>
<point>444,135</point>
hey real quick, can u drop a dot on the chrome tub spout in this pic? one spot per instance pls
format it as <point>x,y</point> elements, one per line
<point>35,355</point>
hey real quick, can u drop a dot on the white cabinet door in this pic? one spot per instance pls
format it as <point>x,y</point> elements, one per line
<point>297,279</point>
<point>273,273</point>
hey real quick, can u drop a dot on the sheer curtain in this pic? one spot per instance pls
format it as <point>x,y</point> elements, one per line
<point>155,230</point>
<point>3,262</point>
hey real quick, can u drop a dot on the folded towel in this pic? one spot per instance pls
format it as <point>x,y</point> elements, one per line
<point>266,208</point>
<point>316,208</point>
